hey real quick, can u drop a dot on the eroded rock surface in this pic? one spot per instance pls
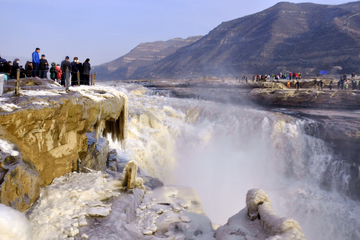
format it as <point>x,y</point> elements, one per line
<point>19,179</point>
<point>49,125</point>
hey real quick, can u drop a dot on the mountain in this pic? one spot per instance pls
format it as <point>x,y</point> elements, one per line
<point>303,37</point>
<point>145,54</point>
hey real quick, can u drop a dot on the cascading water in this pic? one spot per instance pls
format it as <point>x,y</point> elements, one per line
<point>223,151</point>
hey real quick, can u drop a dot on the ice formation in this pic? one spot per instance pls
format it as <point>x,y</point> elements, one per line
<point>259,206</point>
<point>64,205</point>
<point>13,225</point>
<point>130,179</point>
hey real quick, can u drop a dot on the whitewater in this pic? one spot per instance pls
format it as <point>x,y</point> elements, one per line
<point>223,150</point>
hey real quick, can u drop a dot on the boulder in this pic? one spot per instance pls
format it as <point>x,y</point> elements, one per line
<point>19,180</point>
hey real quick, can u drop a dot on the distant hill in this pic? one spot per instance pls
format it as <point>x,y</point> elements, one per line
<point>302,37</point>
<point>145,54</point>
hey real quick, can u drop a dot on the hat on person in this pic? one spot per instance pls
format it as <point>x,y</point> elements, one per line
<point>67,57</point>
<point>43,55</point>
<point>53,64</point>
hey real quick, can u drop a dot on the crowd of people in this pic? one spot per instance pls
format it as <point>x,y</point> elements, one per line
<point>39,67</point>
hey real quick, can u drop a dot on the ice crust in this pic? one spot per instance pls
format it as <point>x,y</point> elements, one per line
<point>65,204</point>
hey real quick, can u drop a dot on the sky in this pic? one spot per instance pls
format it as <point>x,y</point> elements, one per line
<point>107,29</point>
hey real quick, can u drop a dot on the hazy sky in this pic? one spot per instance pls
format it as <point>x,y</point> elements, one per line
<point>103,30</point>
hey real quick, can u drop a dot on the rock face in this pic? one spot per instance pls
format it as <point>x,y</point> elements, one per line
<point>97,153</point>
<point>141,56</point>
<point>50,126</point>
<point>302,37</point>
<point>19,180</point>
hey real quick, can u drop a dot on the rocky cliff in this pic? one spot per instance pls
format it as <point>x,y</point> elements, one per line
<point>49,126</point>
<point>145,54</point>
<point>302,37</point>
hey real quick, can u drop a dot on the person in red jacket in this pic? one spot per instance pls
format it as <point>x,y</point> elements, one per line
<point>58,73</point>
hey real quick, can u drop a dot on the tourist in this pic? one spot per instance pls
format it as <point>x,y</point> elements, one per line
<point>22,72</point>
<point>330,85</point>
<point>290,75</point>
<point>346,84</point>
<point>4,66</point>
<point>353,76</point>
<point>288,84</point>
<point>339,84</point>
<point>43,67</point>
<point>353,83</point>
<point>53,71</point>
<point>65,65</point>
<point>86,72</point>
<point>321,84</point>
<point>9,68</point>
<point>36,62</point>
<point>74,71</point>
<point>58,73</point>
<point>315,83</point>
<point>297,84</point>
<point>14,68</point>
<point>28,69</point>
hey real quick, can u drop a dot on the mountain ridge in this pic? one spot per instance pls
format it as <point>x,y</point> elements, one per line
<point>302,37</point>
<point>141,56</point>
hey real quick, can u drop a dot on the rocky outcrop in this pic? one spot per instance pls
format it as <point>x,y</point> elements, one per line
<point>140,57</point>
<point>49,126</point>
<point>306,98</point>
<point>19,179</point>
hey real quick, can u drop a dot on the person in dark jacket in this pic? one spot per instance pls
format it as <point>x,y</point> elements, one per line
<point>86,72</point>
<point>74,71</point>
<point>44,67</point>
<point>4,66</point>
<point>53,71</point>
<point>65,65</point>
<point>28,69</point>
<point>14,68</point>
<point>22,72</point>
<point>36,62</point>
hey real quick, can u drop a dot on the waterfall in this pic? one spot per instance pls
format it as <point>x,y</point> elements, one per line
<point>224,150</point>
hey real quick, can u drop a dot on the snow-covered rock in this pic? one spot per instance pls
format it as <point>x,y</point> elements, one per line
<point>259,221</point>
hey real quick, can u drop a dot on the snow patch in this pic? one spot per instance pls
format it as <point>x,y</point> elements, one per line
<point>13,224</point>
<point>8,148</point>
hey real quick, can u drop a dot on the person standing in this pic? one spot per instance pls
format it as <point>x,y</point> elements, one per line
<point>4,66</point>
<point>44,66</point>
<point>28,69</point>
<point>14,68</point>
<point>53,71</point>
<point>330,85</point>
<point>86,72</point>
<point>58,73</point>
<point>297,85</point>
<point>321,84</point>
<point>65,65</point>
<point>74,71</point>
<point>36,62</point>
